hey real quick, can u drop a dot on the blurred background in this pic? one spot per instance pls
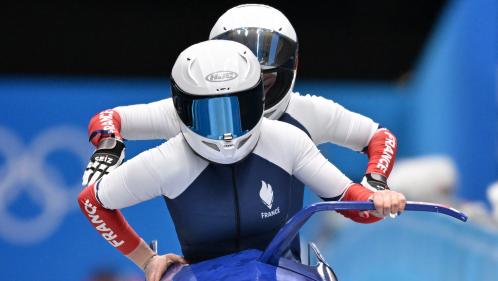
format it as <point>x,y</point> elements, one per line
<point>427,70</point>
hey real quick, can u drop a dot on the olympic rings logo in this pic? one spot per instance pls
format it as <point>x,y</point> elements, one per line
<point>27,166</point>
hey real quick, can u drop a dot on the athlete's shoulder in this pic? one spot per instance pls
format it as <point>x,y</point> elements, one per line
<point>180,167</point>
<point>279,131</point>
<point>280,143</point>
<point>177,148</point>
<point>314,113</point>
<point>297,101</point>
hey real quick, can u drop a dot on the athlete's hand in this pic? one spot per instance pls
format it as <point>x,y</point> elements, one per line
<point>108,156</point>
<point>157,265</point>
<point>387,202</point>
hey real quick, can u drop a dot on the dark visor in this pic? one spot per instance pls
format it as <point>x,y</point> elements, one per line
<point>214,117</point>
<point>271,48</point>
<point>277,55</point>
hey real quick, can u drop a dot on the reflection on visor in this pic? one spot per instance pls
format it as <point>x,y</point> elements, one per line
<point>215,117</point>
<point>271,48</point>
<point>277,55</point>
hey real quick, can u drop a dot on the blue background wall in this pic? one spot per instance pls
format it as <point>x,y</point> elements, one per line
<point>449,106</point>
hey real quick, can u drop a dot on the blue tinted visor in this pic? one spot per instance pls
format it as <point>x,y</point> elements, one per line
<point>214,117</point>
<point>220,117</point>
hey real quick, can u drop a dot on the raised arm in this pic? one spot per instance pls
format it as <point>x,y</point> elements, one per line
<point>156,120</point>
<point>108,129</point>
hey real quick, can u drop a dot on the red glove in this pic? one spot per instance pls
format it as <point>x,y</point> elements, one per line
<point>356,192</point>
<point>387,202</point>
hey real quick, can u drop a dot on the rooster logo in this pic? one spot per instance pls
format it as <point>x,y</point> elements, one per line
<point>266,194</point>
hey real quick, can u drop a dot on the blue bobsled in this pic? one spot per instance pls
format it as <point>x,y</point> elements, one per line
<point>271,264</point>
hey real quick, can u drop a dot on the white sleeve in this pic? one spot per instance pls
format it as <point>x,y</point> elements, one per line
<point>156,120</point>
<point>167,170</point>
<point>315,171</point>
<point>292,150</point>
<point>327,121</point>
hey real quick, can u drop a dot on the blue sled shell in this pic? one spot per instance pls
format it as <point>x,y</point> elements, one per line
<point>242,266</point>
<point>271,265</point>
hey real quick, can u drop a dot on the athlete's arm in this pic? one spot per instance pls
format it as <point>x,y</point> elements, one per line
<point>137,180</point>
<point>156,120</point>
<point>104,131</point>
<point>328,182</point>
<point>327,121</point>
<point>108,129</point>
<point>114,228</point>
<point>381,151</point>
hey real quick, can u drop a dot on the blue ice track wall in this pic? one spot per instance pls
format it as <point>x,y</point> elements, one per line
<point>414,247</point>
<point>43,151</point>
<point>455,94</point>
<point>448,107</point>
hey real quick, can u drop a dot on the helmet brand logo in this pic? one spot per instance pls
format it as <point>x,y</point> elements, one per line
<point>220,76</point>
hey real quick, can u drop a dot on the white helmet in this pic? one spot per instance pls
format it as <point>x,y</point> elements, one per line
<point>271,37</point>
<point>218,94</point>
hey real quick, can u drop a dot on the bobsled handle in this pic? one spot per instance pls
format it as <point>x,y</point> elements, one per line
<point>284,237</point>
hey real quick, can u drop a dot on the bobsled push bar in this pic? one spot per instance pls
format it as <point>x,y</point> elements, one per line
<point>282,240</point>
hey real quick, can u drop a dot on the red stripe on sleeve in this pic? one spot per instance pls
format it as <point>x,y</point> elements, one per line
<point>103,124</point>
<point>110,224</point>
<point>356,192</point>
<point>382,153</point>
